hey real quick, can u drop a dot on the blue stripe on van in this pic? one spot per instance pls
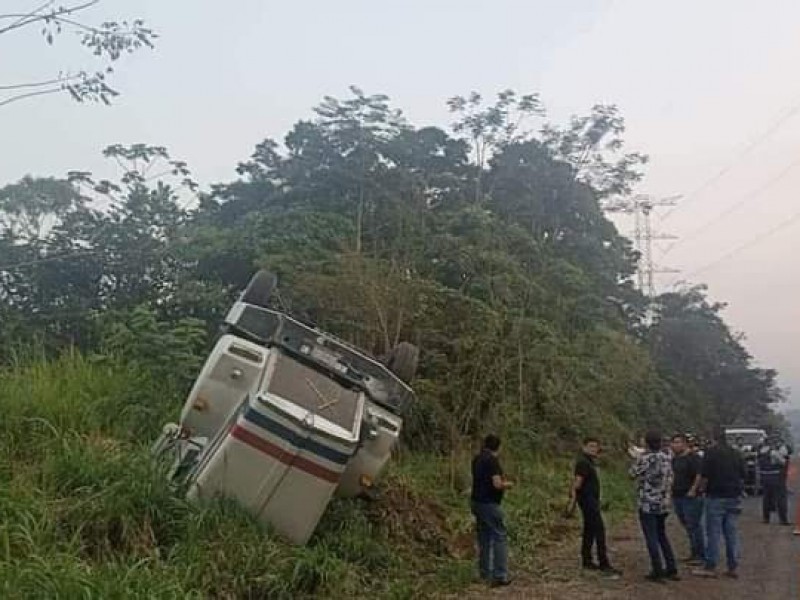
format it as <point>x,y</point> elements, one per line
<point>283,432</point>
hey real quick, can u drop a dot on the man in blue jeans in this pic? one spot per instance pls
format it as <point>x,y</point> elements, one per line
<point>723,475</point>
<point>686,499</point>
<point>488,485</point>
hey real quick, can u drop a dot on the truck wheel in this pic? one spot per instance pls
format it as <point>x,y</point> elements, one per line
<point>259,291</point>
<point>403,361</point>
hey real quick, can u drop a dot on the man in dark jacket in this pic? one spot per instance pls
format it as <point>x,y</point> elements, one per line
<point>488,485</point>
<point>585,492</point>
<point>723,474</point>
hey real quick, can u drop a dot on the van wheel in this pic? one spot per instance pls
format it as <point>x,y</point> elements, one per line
<point>260,289</point>
<point>403,361</point>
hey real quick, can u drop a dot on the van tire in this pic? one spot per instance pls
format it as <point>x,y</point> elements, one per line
<point>403,361</point>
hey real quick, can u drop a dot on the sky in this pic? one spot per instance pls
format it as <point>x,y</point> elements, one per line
<point>709,91</point>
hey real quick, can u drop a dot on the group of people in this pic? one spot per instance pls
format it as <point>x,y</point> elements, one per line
<point>703,486</point>
<point>707,488</point>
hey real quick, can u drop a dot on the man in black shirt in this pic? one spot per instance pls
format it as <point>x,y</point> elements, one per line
<point>488,485</point>
<point>585,492</point>
<point>686,501</point>
<point>723,480</point>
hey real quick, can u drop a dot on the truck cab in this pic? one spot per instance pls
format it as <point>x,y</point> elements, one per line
<point>284,416</point>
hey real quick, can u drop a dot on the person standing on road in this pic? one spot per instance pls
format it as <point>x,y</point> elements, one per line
<point>723,482</point>
<point>488,486</point>
<point>653,474</point>
<point>585,492</point>
<point>686,499</point>
<point>773,461</point>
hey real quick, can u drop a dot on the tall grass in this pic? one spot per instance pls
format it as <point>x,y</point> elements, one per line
<point>85,514</point>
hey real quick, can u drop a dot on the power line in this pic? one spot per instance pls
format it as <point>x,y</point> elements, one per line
<point>747,245</point>
<point>732,209</point>
<point>761,138</point>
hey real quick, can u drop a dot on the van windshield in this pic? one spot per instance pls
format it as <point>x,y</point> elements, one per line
<point>749,438</point>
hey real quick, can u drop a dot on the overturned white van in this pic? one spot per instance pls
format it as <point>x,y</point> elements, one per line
<point>283,416</point>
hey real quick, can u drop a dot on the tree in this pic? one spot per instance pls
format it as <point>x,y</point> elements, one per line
<point>707,363</point>
<point>489,128</point>
<point>519,295</point>
<point>590,144</point>
<point>65,261</point>
<point>107,41</point>
<point>31,207</point>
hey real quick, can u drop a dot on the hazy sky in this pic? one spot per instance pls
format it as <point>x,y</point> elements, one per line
<point>706,86</point>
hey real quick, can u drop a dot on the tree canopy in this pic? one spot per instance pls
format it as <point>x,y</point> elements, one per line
<point>485,243</point>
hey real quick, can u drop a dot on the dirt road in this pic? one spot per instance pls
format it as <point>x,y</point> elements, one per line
<point>770,568</point>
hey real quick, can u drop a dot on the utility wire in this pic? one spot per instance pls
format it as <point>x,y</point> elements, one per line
<point>726,213</point>
<point>747,245</point>
<point>764,136</point>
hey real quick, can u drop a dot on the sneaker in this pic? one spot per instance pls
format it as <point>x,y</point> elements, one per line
<point>785,523</point>
<point>591,566</point>
<point>707,573</point>
<point>672,576</point>
<point>731,574</point>
<point>500,582</point>
<point>796,531</point>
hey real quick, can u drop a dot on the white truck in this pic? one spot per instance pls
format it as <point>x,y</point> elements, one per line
<point>283,416</point>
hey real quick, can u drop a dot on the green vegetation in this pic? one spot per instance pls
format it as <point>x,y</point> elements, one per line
<point>488,247</point>
<point>85,514</point>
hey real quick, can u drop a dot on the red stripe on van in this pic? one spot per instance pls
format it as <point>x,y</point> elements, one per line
<point>291,460</point>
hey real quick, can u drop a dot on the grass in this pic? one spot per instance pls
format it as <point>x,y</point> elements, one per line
<point>534,507</point>
<point>85,514</point>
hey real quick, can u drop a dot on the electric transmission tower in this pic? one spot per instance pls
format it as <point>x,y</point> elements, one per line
<point>641,206</point>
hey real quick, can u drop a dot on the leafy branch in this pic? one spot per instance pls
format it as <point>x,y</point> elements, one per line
<point>109,40</point>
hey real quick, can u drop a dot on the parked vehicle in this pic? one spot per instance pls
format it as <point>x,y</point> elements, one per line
<point>748,440</point>
<point>283,416</point>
